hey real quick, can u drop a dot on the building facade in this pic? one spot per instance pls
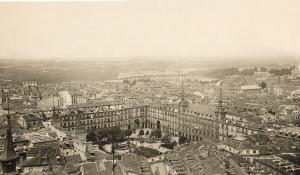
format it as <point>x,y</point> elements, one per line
<point>193,122</point>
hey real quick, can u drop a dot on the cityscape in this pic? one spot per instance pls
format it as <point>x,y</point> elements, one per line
<point>74,101</point>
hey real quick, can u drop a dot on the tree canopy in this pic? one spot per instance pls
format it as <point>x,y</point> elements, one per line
<point>108,134</point>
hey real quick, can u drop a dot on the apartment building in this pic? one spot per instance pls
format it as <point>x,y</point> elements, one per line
<point>193,121</point>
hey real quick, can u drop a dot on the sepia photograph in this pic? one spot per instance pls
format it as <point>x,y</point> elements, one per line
<point>150,87</point>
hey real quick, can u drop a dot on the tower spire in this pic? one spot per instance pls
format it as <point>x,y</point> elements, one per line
<point>8,156</point>
<point>182,89</point>
<point>220,96</point>
<point>53,105</point>
<point>220,113</point>
<point>183,102</point>
<point>7,100</point>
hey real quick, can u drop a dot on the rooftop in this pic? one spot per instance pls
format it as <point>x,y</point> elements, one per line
<point>250,87</point>
<point>31,117</point>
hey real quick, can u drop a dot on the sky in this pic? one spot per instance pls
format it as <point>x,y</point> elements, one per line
<point>150,28</point>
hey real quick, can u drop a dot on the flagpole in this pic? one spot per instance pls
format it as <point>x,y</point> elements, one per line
<point>113,152</point>
<point>7,104</point>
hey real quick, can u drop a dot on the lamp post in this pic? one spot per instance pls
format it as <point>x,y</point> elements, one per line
<point>113,152</point>
<point>113,146</point>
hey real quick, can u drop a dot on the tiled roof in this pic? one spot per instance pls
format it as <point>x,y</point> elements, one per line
<point>74,158</point>
<point>206,109</point>
<point>238,145</point>
<point>90,104</point>
<point>96,168</point>
<point>45,156</point>
<point>135,164</point>
<point>53,134</point>
<point>35,173</point>
<point>71,167</point>
<point>31,117</point>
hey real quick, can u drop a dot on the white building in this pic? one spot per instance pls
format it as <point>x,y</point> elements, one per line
<point>261,75</point>
<point>65,99</point>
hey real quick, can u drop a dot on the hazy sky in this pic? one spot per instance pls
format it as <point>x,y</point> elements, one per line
<point>204,28</point>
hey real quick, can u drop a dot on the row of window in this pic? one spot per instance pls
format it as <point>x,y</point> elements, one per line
<point>95,122</point>
<point>107,125</point>
<point>173,114</point>
<point>98,116</point>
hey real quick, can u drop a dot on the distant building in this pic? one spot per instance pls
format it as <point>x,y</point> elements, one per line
<point>47,103</point>
<point>30,84</point>
<point>296,71</point>
<point>250,90</point>
<point>286,90</point>
<point>154,75</point>
<point>30,121</point>
<point>65,99</point>
<point>292,133</point>
<point>240,146</point>
<point>261,75</point>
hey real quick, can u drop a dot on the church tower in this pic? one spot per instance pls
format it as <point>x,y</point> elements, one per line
<point>183,104</point>
<point>221,110</point>
<point>8,157</point>
<point>220,116</point>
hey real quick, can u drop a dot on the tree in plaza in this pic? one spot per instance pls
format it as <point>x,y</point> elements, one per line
<point>109,138</point>
<point>128,132</point>
<point>147,132</point>
<point>297,122</point>
<point>182,140</point>
<point>117,134</point>
<point>166,139</point>
<point>167,142</point>
<point>169,145</point>
<point>137,122</point>
<point>106,133</point>
<point>141,132</point>
<point>102,133</point>
<point>263,85</point>
<point>91,136</point>
<point>156,133</point>
<point>158,124</point>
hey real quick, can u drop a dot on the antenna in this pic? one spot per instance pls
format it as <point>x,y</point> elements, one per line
<point>182,89</point>
<point>220,95</point>
<point>113,153</point>
<point>7,98</point>
<point>53,104</point>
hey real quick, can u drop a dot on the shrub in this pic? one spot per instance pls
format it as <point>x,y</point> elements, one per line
<point>146,152</point>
